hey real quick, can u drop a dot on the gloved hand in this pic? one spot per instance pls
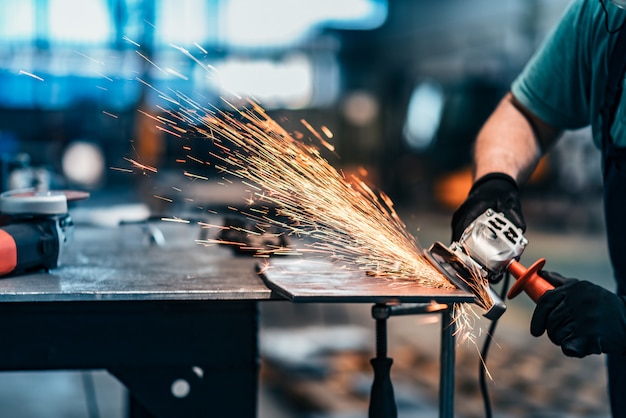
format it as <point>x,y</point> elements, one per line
<point>497,191</point>
<point>581,317</point>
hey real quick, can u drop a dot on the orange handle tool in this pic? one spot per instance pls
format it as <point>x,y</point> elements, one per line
<point>528,280</point>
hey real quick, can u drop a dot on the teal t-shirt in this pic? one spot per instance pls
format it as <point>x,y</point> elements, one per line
<point>564,81</point>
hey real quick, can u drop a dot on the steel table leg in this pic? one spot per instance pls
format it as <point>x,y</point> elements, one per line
<point>447,360</point>
<point>382,402</point>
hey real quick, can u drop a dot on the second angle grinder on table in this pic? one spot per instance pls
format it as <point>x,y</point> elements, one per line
<point>34,228</point>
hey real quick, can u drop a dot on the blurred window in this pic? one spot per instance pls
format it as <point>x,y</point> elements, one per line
<point>17,21</point>
<point>280,23</point>
<point>423,115</point>
<point>55,53</point>
<point>80,22</point>
<point>185,22</point>
<point>233,23</point>
<point>286,83</point>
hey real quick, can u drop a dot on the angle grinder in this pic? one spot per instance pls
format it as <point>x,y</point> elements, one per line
<point>34,228</point>
<point>489,247</point>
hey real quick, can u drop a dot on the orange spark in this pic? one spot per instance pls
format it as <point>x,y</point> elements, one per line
<point>317,135</point>
<point>195,176</point>
<point>168,131</point>
<point>141,166</point>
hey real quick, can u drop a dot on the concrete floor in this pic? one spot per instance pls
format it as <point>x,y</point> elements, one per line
<point>530,377</point>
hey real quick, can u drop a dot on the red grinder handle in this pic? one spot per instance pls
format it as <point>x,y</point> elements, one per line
<point>528,280</point>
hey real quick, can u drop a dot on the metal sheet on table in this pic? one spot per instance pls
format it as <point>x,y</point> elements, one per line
<point>305,280</point>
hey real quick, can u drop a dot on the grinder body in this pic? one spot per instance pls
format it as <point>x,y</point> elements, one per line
<point>489,247</point>
<point>32,244</point>
<point>34,228</point>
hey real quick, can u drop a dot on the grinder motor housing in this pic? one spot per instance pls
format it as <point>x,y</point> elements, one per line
<point>493,242</point>
<point>485,250</point>
<point>35,226</point>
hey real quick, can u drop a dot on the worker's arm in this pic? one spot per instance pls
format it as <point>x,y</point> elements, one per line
<point>506,152</point>
<point>512,141</point>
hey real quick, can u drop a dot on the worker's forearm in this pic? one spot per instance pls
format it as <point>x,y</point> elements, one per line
<point>512,141</point>
<point>506,147</point>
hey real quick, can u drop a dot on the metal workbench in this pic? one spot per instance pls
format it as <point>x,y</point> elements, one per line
<point>175,322</point>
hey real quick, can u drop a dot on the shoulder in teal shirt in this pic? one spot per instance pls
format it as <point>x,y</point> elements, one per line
<point>564,81</point>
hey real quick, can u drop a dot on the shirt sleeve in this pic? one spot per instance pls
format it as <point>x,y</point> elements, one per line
<point>555,83</point>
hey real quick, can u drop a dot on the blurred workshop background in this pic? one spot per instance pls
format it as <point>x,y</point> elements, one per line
<point>403,85</point>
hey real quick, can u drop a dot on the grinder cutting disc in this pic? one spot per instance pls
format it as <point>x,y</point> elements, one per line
<point>447,262</point>
<point>33,202</point>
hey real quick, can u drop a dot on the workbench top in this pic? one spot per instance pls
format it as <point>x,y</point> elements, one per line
<point>160,260</point>
<point>126,263</point>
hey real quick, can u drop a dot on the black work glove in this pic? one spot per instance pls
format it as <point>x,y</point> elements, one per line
<point>581,317</point>
<point>497,191</point>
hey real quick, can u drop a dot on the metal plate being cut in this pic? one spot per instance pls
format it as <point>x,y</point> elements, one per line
<point>305,280</point>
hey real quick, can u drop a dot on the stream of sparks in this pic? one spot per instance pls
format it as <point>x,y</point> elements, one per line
<point>344,218</point>
<point>304,195</point>
<point>300,193</point>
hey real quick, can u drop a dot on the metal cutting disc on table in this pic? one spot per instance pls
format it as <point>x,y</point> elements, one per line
<point>33,202</point>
